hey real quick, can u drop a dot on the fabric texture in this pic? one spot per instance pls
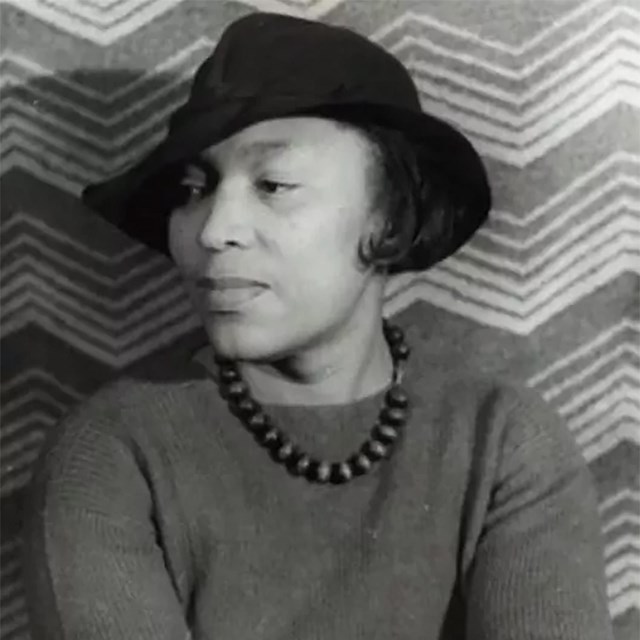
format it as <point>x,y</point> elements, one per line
<point>154,514</point>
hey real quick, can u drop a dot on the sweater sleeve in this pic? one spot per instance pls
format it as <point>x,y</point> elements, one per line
<point>93,566</point>
<point>538,570</point>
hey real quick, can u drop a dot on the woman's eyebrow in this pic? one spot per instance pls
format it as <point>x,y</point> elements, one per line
<point>264,148</point>
<point>201,163</point>
<point>259,149</point>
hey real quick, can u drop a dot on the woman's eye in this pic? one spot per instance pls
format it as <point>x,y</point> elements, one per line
<point>195,190</point>
<point>272,187</point>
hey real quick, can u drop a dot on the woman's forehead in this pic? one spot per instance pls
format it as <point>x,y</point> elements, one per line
<point>272,138</point>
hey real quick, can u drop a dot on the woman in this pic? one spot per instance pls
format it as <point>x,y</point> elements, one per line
<point>311,472</point>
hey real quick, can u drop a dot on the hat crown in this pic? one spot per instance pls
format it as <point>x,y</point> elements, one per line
<point>268,54</point>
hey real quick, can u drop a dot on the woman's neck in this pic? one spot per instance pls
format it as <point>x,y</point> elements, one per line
<point>352,366</point>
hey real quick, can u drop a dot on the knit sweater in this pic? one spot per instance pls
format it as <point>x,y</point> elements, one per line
<point>154,515</point>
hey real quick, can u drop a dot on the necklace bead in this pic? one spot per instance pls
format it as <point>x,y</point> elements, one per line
<point>386,433</point>
<point>400,351</point>
<point>375,450</point>
<point>301,465</point>
<point>247,407</point>
<point>270,438</point>
<point>237,389</point>
<point>394,335</point>
<point>229,374</point>
<point>360,463</point>
<point>392,417</point>
<point>286,451</point>
<point>322,471</point>
<point>256,422</point>
<point>341,472</point>
<point>396,397</point>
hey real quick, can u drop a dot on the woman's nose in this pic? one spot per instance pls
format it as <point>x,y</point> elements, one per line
<point>228,220</point>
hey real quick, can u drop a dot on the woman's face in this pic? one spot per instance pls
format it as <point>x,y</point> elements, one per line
<point>276,237</point>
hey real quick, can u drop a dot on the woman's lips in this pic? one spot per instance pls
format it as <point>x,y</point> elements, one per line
<point>230,293</point>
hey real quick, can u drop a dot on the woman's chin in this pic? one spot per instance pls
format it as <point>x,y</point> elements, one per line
<point>241,341</point>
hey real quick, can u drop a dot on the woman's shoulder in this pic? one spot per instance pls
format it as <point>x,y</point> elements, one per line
<point>440,363</point>
<point>135,400</point>
<point>484,399</point>
<point>150,380</point>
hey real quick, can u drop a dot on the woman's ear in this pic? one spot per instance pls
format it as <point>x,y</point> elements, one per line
<point>374,231</point>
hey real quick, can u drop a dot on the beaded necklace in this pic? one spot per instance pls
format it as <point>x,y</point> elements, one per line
<point>378,446</point>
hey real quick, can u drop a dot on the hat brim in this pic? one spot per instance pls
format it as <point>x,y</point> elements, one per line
<point>456,156</point>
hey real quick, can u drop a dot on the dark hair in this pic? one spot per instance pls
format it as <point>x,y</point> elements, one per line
<point>415,200</point>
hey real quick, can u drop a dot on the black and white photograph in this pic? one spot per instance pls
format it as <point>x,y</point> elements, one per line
<point>320,319</point>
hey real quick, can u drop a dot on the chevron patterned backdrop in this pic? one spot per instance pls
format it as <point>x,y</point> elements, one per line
<point>548,90</point>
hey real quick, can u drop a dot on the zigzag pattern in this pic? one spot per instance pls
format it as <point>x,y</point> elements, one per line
<point>518,103</point>
<point>106,22</point>
<point>521,270</point>
<point>88,134</point>
<point>33,402</point>
<point>83,302</point>
<point>621,530</point>
<point>101,22</point>
<point>13,619</point>
<point>301,8</point>
<point>549,99</point>
<point>597,389</point>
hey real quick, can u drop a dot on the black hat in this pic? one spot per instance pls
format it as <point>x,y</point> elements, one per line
<point>269,65</point>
